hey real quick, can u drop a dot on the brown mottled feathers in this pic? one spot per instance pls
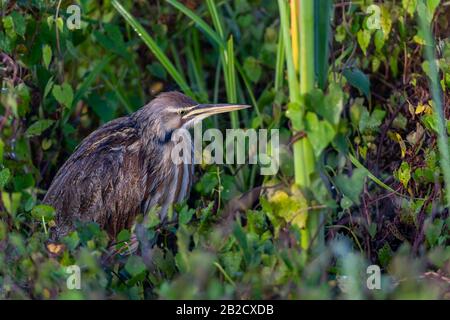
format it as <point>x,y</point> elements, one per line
<point>101,181</point>
<point>120,170</point>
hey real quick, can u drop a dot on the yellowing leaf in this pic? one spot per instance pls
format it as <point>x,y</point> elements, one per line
<point>420,108</point>
<point>404,173</point>
<point>402,145</point>
<point>386,21</point>
<point>398,138</point>
<point>55,248</point>
<point>291,208</point>
<point>429,108</point>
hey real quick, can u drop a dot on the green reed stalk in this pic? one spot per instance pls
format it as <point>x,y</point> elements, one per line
<point>436,92</point>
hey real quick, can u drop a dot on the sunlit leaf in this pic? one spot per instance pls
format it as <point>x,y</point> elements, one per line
<point>404,173</point>
<point>43,211</point>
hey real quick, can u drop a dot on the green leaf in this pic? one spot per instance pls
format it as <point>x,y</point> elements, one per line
<point>186,215</point>
<point>295,113</point>
<point>123,239</point>
<point>385,254</point>
<point>63,94</point>
<point>352,186</point>
<point>346,203</point>
<point>207,183</point>
<point>152,220</point>
<point>46,55</point>
<point>229,188</point>
<point>5,43</point>
<point>432,6</point>
<point>19,23</point>
<point>38,127</point>
<point>291,208</point>
<point>371,121</point>
<point>363,37</point>
<point>43,211</point>
<point>23,181</point>
<point>105,109</point>
<point>11,201</point>
<point>433,230</point>
<point>48,86</point>
<point>340,33</point>
<point>332,105</point>
<point>410,6</point>
<point>5,174</point>
<point>71,240</point>
<point>241,238</point>
<point>231,261</point>
<point>113,40</point>
<point>386,21</point>
<point>379,40</point>
<point>60,24</point>
<point>8,24</point>
<point>320,133</point>
<point>135,266</point>
<point>252,69</point>
<point>156,69</point>
<point>372,230</point>
<point>3,230</point>
<point>404,174</point>
<point>359,80</point>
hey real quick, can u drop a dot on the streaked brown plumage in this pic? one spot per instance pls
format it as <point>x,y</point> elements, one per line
<point>124,168</point>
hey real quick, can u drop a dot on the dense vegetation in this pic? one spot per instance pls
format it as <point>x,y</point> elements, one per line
<point>359,101</point>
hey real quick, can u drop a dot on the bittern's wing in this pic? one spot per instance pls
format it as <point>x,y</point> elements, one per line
<point>101,181</point>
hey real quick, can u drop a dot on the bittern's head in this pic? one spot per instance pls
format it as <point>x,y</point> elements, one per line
<point>173,110</point>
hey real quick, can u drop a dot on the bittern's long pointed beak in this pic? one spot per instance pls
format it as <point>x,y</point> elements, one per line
<point>202,111</point>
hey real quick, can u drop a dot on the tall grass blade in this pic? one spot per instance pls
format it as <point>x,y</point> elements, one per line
<point>154,48</point>
<point>279,67</point>
<point>323,11</point>
<point>218,38</point>
<point>294,12</point>
<point>307,60</point>
<point>294,93</point>
<point>87,82</point>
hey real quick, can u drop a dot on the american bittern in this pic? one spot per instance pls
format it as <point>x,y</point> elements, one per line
<point>124,168</point>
